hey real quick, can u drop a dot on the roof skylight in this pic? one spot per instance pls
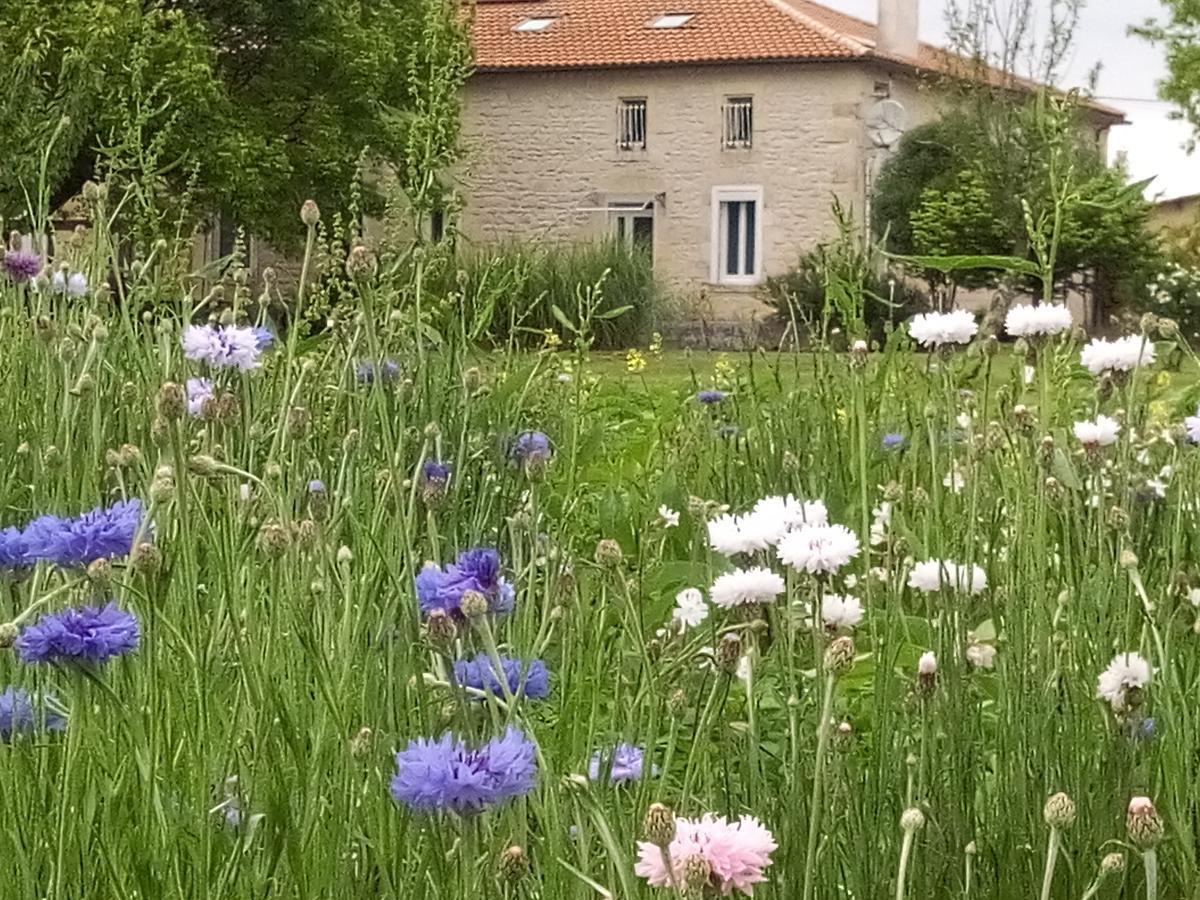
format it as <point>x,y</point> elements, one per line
<point>672,20</point>
<point>534,23</point>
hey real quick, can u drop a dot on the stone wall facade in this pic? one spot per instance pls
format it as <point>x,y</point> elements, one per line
<point>543,162</point>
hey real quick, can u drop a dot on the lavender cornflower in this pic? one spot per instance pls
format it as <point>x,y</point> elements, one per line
<point>893,440</point>
<point>264,337</point>
<point>623,762</point>
<point>21,265</point>
<point>530,446</point>
<point>479,673</point>
<point>76,284</point>
<point>387,371</point>
<point>447,775</point>
<point>222,346</point>
<point>21,714</point>
<point>435,472</point>
<point>478,570</point>
<point>710,397</point>
<point>101,533</point>
<point>198,390</point>
<point>88,635</point>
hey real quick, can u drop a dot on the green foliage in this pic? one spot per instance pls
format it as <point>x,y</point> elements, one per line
<point>840,285</point>
<point>1003,179</point>
<point>1179,33</point>
<point>509,293</point>
<point>1175,294</point>
<point>249,106</point>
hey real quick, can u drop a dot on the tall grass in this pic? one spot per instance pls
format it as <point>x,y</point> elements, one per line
<point>283,660</point>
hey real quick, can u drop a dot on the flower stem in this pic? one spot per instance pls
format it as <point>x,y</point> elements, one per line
<point>1150,861</point>
<point>902,872</point>
<point>814,808</point>
<point>1051,859</point>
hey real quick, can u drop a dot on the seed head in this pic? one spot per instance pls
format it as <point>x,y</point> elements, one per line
<point>171,401</point>
<point>1143,823</point>
<point>440,628</point>
<point>473,605</point>
<point>608,553</point>
<point>99,574</point>
<point>514,864</point>
<point>659,825</point>
<point>1059,812</point>
<point>729,652</point>
<point>9,631</point>
<point>298,420</point>
<point>1112,864</point>
<point>273,539</point>
<point>360,263</point>
<point>912,820</point>
<point>361,742</point>
<point>839,655</point>
<point>696,874</point>
<point>310,213</point>
<point>146,558</point>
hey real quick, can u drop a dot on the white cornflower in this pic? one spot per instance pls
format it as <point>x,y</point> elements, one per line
<point>1193,596</point>
<point>955,479</point>
<point>840,611</point>
<point>935,329</point>
<point>669,517</point>
<point>1047,318</point>
<point>741,586</point>
<point>1028,373</point>
<point>935,574</point>
<point>1122,355</point>
<point>1157,486</point>
<point>819,548</point>
<point>927,664</point>
<point>1100,433</point>
<point>792,513</point>
<point>690,609</point>
<point>77,285</point>
<point>1192,425</point>
<point>981,656</point>
<point>879,524</point>
<point>730,534</point>
<point>564,377</point>
<point>1126,672</point>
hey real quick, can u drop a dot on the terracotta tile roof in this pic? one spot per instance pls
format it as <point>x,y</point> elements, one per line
<point>605,33</point>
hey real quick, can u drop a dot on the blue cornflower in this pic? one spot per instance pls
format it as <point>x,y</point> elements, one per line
<point>316,486</point>
<point>90,634</point>
<point>198,390</point>
<point>264,337</point>
<point>434,471</point>
<point>711,397</point>
<point>21,714</point>
<point>13,549</point>
<point>477,569</point>
<point>626,762</point>
<point>101,533</point>
<point>893,440</point>
<point>447,775</point>
<point>530,446</point>
<point>480,673</point>
<point>387,371</point>
<point>222,346</point>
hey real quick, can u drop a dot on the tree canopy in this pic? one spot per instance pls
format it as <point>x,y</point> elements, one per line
<point>972,182</point>
<point>1179,33</point>
<point>245,105</point>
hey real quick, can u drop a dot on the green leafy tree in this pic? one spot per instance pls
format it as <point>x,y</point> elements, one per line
<point>249,106</point>
<point>995,176</point>
<point>1179,34</point>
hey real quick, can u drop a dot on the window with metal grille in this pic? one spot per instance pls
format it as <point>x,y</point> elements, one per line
<point>631,123</point>
<point>738,118</point>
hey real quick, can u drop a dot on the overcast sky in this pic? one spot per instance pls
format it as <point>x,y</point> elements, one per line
<point>1130,68</point>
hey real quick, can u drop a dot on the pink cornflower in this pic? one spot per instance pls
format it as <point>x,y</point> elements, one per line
<point>736,854</point>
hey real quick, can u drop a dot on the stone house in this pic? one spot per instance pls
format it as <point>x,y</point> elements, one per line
<point>713,133</point>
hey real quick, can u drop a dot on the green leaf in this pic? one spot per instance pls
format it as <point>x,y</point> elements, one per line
<point>960,263</point>
<point>562,319</point>
<point>1065,472</point>
<point>613,313</point>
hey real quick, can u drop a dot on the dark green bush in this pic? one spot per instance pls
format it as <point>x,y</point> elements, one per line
<point>508,291</point>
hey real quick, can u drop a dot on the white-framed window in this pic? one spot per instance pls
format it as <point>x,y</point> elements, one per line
<point>672,20</point>
<point>737,234</point>
<point>633,224</point>
<point>535,23</point>
<point>631,123</point>
<point>737,123</point>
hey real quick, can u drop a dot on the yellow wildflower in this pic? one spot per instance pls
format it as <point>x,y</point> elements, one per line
<point>634,361</point>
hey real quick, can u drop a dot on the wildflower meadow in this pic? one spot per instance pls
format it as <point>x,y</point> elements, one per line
<point>313,598</point>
